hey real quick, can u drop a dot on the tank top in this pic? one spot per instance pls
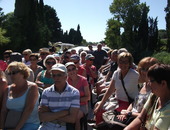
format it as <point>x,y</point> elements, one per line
<point>18,104</point>
<point>44,79</point>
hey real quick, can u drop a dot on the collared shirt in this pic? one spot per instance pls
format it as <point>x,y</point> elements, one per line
<point>70,97</point>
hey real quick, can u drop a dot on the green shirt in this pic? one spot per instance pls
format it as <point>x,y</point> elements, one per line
<point>159,118</point>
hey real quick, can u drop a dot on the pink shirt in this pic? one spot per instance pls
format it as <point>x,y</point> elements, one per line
<point>82,82</point>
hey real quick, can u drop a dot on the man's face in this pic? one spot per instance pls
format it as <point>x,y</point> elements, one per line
<point>99,47</point>
<point>43,55</point>
<point>58,77</point>
<point>26,56</point>
<point>6,57</point>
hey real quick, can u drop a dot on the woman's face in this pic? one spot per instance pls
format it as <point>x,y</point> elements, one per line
<point>15,74</point>
<point>49,63</point>
<point>124,64</point>
<point>72,71</point>
<point>143,73</point>
<point>155,86</point>
<point>33,60</point>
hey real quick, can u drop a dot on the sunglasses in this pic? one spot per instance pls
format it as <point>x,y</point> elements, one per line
<point>13,72</point>
<point>69,70</point>
<point>66,57</point>
<point>123,62</point>
<point>42,54</point>
<point>152,80</point>
<point>76,62</point>
<point>57,75</point>
<point>6,56</point>
<point>50,63</point>
<point>91,59</point>
<point>33,59</point>
<point>83,55</point>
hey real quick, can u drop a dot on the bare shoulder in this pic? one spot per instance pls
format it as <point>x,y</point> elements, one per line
<point>3,81</point>
<point>32,85</point>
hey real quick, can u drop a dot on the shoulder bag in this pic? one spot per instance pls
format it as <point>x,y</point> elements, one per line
<point>111,120</point>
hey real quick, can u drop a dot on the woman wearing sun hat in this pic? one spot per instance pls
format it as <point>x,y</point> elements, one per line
<point>44,78</point>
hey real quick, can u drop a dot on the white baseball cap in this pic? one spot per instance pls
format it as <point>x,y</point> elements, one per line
<point>59,67</point>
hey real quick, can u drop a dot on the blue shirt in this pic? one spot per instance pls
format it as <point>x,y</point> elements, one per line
<point>70,97</point>
<point>18,104</point>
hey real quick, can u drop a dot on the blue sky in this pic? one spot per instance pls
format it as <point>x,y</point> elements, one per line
<point>91,15</point>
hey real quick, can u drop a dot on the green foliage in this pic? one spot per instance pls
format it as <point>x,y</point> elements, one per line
<point>167,10</point>
<point>3,39</point>
<point>132,29</point>
<point>162,34</point>
<point>1,16</point>
<point>53,24</point>
<point>163,57</point>
<point>33,25</point>
<point>113,33</point>
<point>73,37</point>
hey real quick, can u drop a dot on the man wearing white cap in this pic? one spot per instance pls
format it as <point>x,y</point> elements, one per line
<point>60,102</point>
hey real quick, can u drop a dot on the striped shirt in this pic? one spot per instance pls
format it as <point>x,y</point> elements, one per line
<point>70,97</point>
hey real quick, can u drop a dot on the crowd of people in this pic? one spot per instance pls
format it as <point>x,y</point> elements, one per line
<point>55,91</point>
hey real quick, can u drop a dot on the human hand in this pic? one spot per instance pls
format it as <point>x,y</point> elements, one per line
<point>40,84</point>
<point>97,108</point>
<point>43,109</point>
<point>121,117</point>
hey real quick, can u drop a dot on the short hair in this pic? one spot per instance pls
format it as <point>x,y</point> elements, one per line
<point>160,72</point>
<point>146,62</point>
<point>7,52</point>
<point>115,51</point>
<point>122,50</point>
<point>126,55</point>
<point>28,51</point>
<point>21,67</point>
<point>34,55</point>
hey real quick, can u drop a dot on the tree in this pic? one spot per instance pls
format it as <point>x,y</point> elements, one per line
<point>113,33</point>
<point>153,34</point>
<point>167,10</point>
<point>53,23</point>
<point>162,34</point>
<point>131,28</point>
<point>78,38</point>
<point>1,16</point>
<point>3,39</point>
<point>129,14</point>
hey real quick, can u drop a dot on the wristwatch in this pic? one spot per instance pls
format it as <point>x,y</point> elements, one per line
<point>129,113</point>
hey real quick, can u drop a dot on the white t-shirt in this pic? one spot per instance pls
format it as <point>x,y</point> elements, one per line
<point>130,83</point>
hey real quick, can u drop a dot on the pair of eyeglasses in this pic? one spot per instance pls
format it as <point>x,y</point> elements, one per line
<point>42,54</point>
<point>123,62</point>
<point>50,63</point>
<point>33,59</point>
<point>6,56</point>
<point>56,75</point>
<point>66,57</point>
<point>76,62</point>
<point>13,72</point>
<point>69,70</point>
<point>91,59</point>
<point>83,55</point>
<point>152,80</point>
